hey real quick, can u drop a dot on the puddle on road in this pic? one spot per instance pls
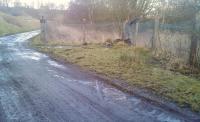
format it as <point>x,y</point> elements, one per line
<point>88,83</point>
<point>103,90</point>
<point>13,49</point>
<point>12,41</point>
<point>59,76</point>
<point>21,37</point>
<point>55,64</point>
<point>49,70</point>
<point>11,105</point>
<point>115,94</point>
<point>3,77</point>
<point>31,55</point>
<point>11,44</point>
<point>110,95</point>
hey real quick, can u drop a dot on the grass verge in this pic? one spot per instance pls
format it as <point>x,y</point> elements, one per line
<point>134,66</point>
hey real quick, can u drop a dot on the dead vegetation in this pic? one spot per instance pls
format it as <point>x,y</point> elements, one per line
<point>173,53</point>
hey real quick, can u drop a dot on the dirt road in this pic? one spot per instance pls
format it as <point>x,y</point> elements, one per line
<point>37,89</point>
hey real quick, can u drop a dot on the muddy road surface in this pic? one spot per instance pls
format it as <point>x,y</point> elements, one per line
<point>35,88</point>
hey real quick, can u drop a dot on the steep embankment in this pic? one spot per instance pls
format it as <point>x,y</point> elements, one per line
<point>10,24</point>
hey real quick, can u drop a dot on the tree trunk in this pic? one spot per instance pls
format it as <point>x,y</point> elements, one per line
<point>194,42</point>
<point>126,32</point>
<point>193,51</point>
<point>84,33</point>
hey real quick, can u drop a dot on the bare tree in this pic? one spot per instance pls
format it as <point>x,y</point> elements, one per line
<point>6,3</point>
<point>17,3</point>
<point>61,6</point>
<point>135,11</point>
<point>195,32</point>
<point>188,10</point>
<point>51,6</point>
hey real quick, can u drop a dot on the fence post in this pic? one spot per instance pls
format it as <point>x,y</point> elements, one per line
<point>155,37</point>
<point>126,32</point>
<point>136,32</point>
<point>43,29</point>
<point>84,31</point>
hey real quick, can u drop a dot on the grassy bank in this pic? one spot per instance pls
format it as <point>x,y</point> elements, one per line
<point>136,66</point>
<point>15,24</point>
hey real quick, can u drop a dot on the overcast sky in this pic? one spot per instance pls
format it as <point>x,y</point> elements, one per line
<point>35,2</point>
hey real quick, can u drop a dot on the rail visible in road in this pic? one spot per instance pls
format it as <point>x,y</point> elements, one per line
<point>35,88</point>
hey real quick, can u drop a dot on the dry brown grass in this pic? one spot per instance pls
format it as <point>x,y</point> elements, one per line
<point>58,31</point>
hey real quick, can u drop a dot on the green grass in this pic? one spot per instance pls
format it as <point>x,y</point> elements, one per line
<point>133,65</point>
<point>16,24</point>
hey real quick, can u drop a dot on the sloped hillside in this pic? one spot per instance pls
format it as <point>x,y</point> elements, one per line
<point>14,24</point>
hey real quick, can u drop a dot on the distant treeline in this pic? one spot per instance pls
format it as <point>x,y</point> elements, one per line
<point>169,11</point>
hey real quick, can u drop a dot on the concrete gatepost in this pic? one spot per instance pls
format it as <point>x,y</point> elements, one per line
<point>43,24</point>
<point>84,31</point>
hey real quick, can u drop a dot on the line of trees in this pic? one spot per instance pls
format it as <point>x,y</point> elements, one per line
<point>117,12</point>
<point>34,4</point>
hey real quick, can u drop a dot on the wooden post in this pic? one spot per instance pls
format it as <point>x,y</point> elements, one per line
<point>155,37</point>
<point>126,32</point>
<point>135,33</point>
<point>84,31</point>
<point>43,29</point>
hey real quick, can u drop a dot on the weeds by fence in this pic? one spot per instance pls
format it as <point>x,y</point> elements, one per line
<point>174,38</point>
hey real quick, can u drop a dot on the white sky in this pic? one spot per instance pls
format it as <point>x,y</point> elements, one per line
<point>35,2</point>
